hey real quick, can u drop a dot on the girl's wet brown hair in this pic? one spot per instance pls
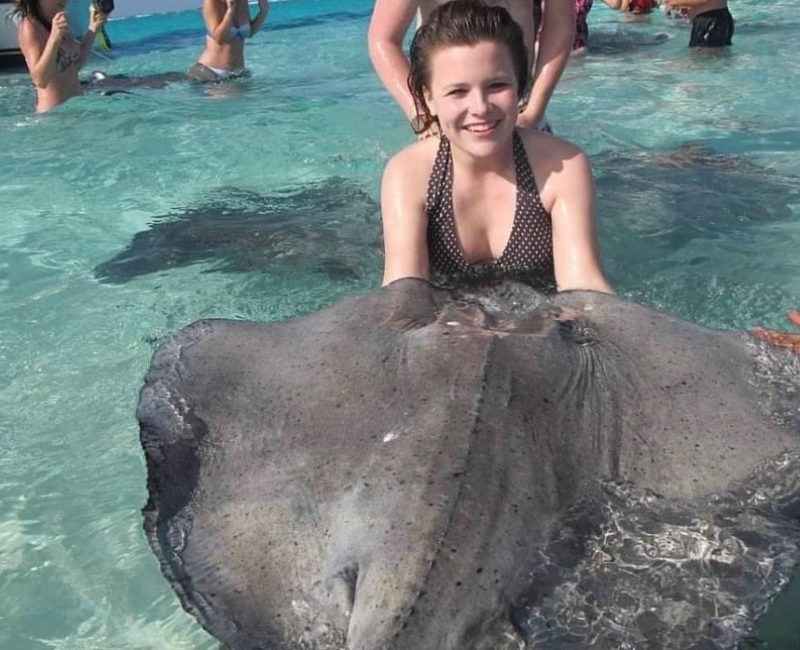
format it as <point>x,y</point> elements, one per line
<point>30,9</point>
<point>26,8</point>
<point>462,22</point>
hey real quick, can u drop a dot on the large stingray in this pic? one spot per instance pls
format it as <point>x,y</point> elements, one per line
<point>240,231</point>
<point>416,470</point>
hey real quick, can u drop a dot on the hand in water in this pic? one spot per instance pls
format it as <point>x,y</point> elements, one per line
<point>60,26</point>
<point>781,339</point>
<point>262,4</point>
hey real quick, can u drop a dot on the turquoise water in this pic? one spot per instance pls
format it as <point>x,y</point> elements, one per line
<point>699,203</point>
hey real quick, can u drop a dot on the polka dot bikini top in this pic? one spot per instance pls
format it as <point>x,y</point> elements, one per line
<point>528,256</point>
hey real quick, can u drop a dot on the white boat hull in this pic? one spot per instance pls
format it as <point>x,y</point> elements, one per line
<point>10,56</point>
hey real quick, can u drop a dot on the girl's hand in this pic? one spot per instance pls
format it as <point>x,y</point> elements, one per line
<point>262,4</point>
<point>60,26</point>
<point>781,339</point>
<point>97,20</point>
<point>232,4</point>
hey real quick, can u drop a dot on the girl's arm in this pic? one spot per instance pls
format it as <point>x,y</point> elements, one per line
<point>404,221</point>
<point>219,22</point>
<point>40,55</point>
<point>95,24</point>
<point>261,16</point>
<point>575,249</point>
<point>781,339</point>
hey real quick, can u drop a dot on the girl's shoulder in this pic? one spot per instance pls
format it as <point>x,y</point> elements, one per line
<point>415,162</point>
<point>408,173</point>
<point>31,31</point>
<point>548,147</point>
<point>558,165</point>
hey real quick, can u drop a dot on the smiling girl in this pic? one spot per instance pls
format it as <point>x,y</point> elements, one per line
<point>486,201</point>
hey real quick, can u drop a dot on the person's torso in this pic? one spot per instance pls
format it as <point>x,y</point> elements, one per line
<point>64,82</point>
<point>512,240</point>
<point>229,55</point>
<point>711,5</point>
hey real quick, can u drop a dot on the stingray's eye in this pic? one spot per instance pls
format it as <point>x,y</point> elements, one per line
<point>577,332</point>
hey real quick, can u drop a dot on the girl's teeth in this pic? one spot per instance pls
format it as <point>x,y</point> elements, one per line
<point>479,129</point>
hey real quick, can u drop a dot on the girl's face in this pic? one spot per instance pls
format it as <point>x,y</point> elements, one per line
<point>473,92</point>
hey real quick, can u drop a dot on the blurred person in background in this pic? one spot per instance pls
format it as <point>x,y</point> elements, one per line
<point>53,55</point>
<point>228,24</point>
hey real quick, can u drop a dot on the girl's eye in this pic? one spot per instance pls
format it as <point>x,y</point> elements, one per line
<point>499,85</point>
<point>458,92</point>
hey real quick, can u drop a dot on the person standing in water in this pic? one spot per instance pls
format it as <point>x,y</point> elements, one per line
<point>712,23</point>
<point>392,18</point>
<point>581,41</point>
<point>228,24</point>
<point>52,54</point>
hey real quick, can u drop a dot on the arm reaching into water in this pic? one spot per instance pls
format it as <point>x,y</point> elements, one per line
<point>569,186</point>
<point>781,339</point>
<point>404,220</point>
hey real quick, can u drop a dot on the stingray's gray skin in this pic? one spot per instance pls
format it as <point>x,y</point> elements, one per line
<point>240,231</point>
<point>621,41</point>
<point>122,83</point>
<point>381,475</point>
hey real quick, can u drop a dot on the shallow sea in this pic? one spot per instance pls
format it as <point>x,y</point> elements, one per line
<point>697,167</point>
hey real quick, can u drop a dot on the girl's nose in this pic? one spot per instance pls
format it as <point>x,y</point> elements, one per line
<point>479,102</point>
